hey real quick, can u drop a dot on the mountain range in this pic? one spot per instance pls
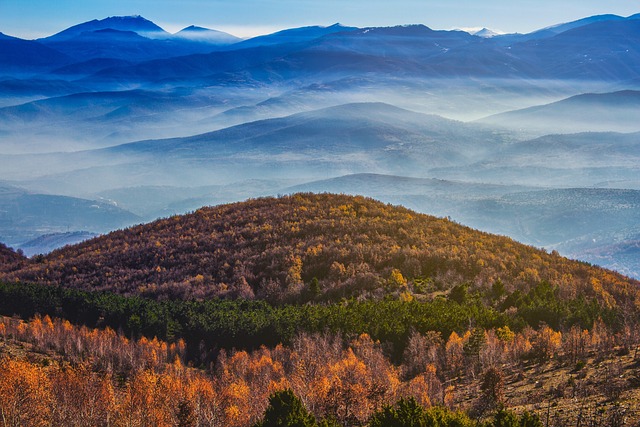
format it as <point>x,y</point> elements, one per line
<point>599,47</point>
<point>121,114</point>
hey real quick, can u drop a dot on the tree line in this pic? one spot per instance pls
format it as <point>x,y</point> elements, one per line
<point>224,324</point>
<point>78,376</point>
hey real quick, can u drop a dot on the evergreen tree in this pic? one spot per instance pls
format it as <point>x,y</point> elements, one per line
<point>408,413</point>
<point>506,418</point>
<point>286,410</point>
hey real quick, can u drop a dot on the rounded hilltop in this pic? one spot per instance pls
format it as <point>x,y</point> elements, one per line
<point>313,247</point>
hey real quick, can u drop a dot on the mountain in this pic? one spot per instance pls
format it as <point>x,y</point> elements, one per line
<point>554,218</point>
<point>197,69</point>
<point>48,242</point>
<point>351,138</point>
<point>409,51</point>
<point>89,67</point>
<point>134,123</point>
<point>347,139</point>
<point>610,48</point>
<point>25,216</point>
<point>122,45</point>
<point>375,296</point>
<point>303,103</point>
<point>68,122</point>
<point>554,30</point>
<point>561,161</point>
<point>308,52</point>
<point>561,28</point>
<point>615,111</point>
<point>566,26</point>
<point>77,105</point>
<point>37,88</point>
<point>274,247</point>
<point>485,33</point>
<point>206,35</point>
<point>600,48</point>
<point>110,43</point>
<point>582,150</point>
<point>606,50</point>
<point>136,24</point>
<point>387,186</point>
<point>153,202</point>
<point>349,128</point>
<point>307,55</point>
<point>617,251</point>
<point>133,39</point>
<point>19,56</point>
<point>90,119</point>
<point>294,35</point>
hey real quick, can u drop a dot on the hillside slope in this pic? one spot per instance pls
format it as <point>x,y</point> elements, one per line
<point>276,248</point>
<point>10,260</point>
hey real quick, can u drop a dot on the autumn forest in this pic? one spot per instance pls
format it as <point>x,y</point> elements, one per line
<point>313,310</point>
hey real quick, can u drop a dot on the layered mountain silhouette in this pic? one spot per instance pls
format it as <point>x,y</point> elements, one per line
<point>136,24</point>
<point>26,215</point>
<point>616,111</point>
<point>601,47</point>
<point>294,36</point>
<point>121,109</point>
<point>19,56</point>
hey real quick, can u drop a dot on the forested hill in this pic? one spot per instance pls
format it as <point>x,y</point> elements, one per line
<point>314,247</point>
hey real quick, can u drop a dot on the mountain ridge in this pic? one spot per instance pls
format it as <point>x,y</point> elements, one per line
<point>611,111</point>
<point>342,49</point>
<point>134,23</point>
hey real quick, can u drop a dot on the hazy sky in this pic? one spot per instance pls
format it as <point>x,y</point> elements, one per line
<point>37,18</point>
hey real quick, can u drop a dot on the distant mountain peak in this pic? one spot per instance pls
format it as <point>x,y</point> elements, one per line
<point>134,23</point>
<point>486,33</point>
<point>194,28</point>
<point>296,35</point>
<point>207,35</point>
<point>131,19</point>
<point>400,30</point>
<point>124,17</point>
<point>565,26</point>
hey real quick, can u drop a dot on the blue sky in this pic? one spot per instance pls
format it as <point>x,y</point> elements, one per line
<point>37,18</point>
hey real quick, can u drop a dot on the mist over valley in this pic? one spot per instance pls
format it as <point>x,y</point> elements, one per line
<point>115,122</point>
